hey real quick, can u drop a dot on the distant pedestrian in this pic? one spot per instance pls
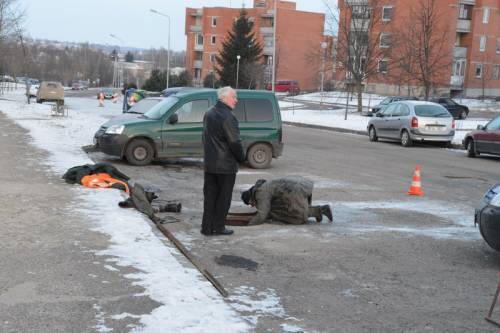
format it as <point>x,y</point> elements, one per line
<point>28,92</point>
<point>222,152</point>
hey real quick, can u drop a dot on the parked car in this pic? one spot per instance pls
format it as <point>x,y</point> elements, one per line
<point>458,111</point>
<point>289,86</point>
<point>409,121</point>
<point>173,128</point>
<point>486,139</point>
<point>386,101</point>
<point>80,85</point>
<point>108,93</point>
<point>487,215</point>
<point>50,91</point>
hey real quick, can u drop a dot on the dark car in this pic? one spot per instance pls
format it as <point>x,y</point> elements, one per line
<point>386,101</point>
<point>486,139</point>
<point>458,111</point>
<point>487,215</point>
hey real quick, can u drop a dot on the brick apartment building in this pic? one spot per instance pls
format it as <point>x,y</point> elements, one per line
<point>472,47</point>
<point>299,36</point>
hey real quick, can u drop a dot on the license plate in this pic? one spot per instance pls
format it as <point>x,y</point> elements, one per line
<point>435,127</point>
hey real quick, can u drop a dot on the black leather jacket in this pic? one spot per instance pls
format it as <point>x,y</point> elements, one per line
<point>221,140</point>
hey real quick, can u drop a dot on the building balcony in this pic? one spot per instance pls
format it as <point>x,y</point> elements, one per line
<point>197,13</point>
<point>360,24</point>
<point>267,50</point>
<point>459,52</point>
<point>195,28</point>
<point>457,82</point>
<point>266,30</point>
<point>198,47</point>
<point>467,2</point>
<point>269,13</point>
<point>198,63</point>
<point>357,2</point>
<point>463,25</point>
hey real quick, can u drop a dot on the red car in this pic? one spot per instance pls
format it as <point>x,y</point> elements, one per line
<point>289,86</point>
<point>486,139</point>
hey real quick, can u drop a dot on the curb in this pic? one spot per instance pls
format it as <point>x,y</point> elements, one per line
<point>350,131</point>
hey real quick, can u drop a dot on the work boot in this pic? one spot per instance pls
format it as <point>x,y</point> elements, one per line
<point>173,207</point>
<point>327,210</point>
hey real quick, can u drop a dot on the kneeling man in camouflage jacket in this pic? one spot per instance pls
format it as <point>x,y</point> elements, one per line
<point>286,199</point>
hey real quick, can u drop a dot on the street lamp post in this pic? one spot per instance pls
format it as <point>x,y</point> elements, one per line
<point>168,45</point>
<point>238,57</point>
<point>116,76</point>
<point>323,48</point>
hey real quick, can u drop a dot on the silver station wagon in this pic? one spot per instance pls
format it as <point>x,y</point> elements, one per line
<point>410,121</point>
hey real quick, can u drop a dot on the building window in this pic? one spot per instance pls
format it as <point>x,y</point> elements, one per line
<point>479,70</point>
<point>465,12</point>
<point>387,13</point>
<point>214,21</point>
<point>498,45</point>
<point>213,40</point>
<point>385,40</point>
<point>199,39</point>
<point>212,57</point>
<point>360,12</point>
<point>382,66</point>
<point>486,15</point>
<point>496,72</point>
<point>482,44</point>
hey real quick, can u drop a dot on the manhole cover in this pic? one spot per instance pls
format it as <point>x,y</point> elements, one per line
<point>237,262</point>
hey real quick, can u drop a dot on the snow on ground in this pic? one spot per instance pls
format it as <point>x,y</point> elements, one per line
<point>193,306</point>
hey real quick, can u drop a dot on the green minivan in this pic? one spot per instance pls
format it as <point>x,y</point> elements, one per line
<point>173,128</point>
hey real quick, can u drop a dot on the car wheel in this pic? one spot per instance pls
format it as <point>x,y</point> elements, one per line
<point>139,152</point>
<point>471,149</point>
<point>372,134</point>
<point>463,114</point>
<point>39,101</point>
<point>406,140</point>
<point>491,241</point>
<point>259,156</point>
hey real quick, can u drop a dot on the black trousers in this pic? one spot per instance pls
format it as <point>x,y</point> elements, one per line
<point>217,192</point>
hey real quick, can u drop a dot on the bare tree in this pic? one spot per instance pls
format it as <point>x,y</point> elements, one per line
<point>362,41</point>
<point>424,52</point>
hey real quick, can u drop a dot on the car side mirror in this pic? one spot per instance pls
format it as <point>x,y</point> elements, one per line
<point>378,114</point>
<point>173,119</point>
<point>481,127</point>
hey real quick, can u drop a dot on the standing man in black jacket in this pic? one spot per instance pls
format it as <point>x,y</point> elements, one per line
<point>222,152</point>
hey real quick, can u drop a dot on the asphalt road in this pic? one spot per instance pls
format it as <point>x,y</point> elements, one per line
<point>388,263</point>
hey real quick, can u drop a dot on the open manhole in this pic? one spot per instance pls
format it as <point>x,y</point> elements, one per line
<point>237,262</point>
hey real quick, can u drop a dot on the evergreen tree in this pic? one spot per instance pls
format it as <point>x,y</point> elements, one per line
<point>240,41</point>
<point>129,57</point>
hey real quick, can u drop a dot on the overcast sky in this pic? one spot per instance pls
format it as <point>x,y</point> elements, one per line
<point>130,20</point>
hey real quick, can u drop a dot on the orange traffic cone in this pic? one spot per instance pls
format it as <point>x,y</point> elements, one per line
<point>416,184</point>
<point>101,99</point>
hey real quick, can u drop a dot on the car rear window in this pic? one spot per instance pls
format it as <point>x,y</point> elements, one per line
<point>258,110</point>
<point>52,85</point>
<point>429,110</point>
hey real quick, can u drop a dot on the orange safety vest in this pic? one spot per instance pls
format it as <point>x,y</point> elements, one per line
<point>103,180</point>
